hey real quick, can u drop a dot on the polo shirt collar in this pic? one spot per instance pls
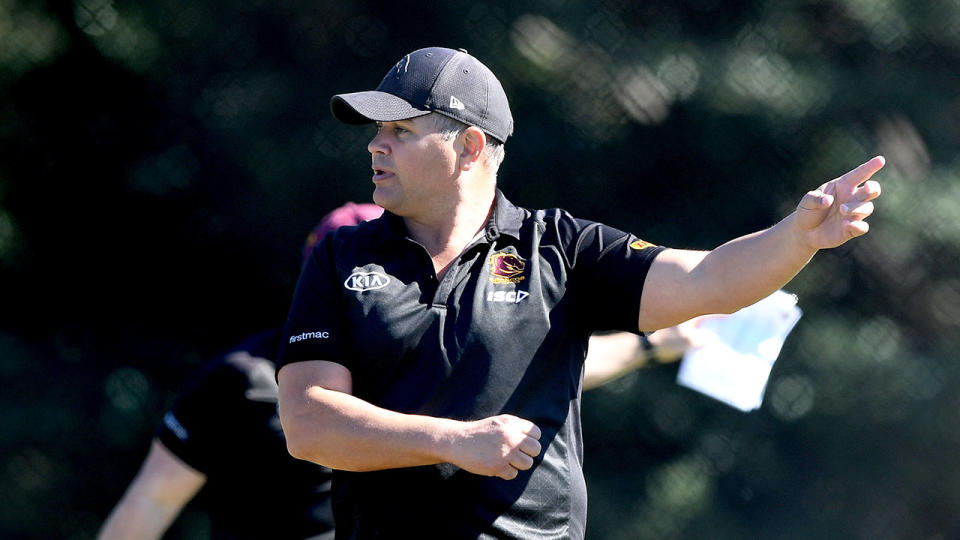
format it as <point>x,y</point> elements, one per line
<point>505,219</point>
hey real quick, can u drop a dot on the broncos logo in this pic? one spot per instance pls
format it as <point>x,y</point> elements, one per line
<point>506,268</point>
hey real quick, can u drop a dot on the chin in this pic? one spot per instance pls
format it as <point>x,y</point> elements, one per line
<point>383,198</point>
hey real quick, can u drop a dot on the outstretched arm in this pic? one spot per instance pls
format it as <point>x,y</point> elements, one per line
<point>155,497</point>
<point>683,284</point>
<point>325,424</point>
<point>610,356</point>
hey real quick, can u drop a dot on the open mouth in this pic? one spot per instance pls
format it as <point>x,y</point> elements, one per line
<point>379,174</point>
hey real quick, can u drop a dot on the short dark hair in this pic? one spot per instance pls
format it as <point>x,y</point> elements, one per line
<point>494,152</point>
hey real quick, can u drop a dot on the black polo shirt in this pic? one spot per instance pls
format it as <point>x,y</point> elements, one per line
<point>504,331</point>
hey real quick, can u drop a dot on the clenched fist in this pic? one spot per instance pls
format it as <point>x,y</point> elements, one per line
<point>499,446</point>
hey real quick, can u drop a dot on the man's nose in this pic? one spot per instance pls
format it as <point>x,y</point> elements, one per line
<point>377,145</point>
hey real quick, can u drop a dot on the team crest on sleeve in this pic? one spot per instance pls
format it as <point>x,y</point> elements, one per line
<point>506,268</point>
<point>640,244</point>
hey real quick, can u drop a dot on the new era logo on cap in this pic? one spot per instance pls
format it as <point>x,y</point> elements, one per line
<point>435,79</point>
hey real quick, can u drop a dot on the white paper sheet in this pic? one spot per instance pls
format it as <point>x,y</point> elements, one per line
<point>734,369</point>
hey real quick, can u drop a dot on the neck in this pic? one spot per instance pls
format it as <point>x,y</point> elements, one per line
<point>452,229</point>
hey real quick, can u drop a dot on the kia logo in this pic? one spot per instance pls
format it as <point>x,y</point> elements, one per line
<point>366,281</point>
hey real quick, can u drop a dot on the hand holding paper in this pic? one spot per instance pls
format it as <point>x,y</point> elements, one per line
<point>735,367</point>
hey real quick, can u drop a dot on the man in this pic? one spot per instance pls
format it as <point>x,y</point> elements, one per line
<point>433,357</point>
<point>223,435</point>
<point>230,410</point>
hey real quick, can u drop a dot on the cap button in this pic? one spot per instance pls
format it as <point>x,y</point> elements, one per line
<point>461,49</point>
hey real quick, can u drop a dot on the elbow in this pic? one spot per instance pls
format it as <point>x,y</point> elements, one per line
<point>312,431</point>
<point>301,432</point>
<point>310,406</point>
<point>304,446</point>
<point>298,446</point>
<point>305,442</point>
<point>298,443</point>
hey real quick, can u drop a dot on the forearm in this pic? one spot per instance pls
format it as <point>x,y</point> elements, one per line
<point>748,269</point>
<point>162,487</point>
<point>324,423</point>
<point>683,284</point>
<point>137,517</point>
<point>610,356</point>
<point>341,431</point>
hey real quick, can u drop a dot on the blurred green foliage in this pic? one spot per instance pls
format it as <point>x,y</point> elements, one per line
<point>161,162</point>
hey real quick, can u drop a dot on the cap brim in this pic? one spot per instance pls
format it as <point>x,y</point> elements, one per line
<point>372,106</point>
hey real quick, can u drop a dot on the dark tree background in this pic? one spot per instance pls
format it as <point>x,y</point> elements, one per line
<point>161,163</point>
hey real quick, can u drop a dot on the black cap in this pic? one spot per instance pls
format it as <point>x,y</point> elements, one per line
<point>435,79</point>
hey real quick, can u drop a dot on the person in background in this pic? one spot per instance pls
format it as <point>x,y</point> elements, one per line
<point>613,354</point>
<point>223,436</point>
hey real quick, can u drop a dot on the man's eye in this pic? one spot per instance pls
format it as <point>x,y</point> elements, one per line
<point>398,130</point>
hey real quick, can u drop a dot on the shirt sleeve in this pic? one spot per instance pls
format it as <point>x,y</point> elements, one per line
<point>608,270</point>
<point>193,429</point>
<point>314,329</point>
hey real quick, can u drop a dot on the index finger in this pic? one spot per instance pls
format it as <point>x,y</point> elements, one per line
<point>863,173</point>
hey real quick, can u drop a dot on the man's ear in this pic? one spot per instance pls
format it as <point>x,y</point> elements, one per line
<point>473,140</point>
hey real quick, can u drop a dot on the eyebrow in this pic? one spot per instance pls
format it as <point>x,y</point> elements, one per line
<point>405,122</point>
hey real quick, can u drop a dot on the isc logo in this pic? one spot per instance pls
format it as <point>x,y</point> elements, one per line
<point>366,281</point>
<point>510,297</point>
